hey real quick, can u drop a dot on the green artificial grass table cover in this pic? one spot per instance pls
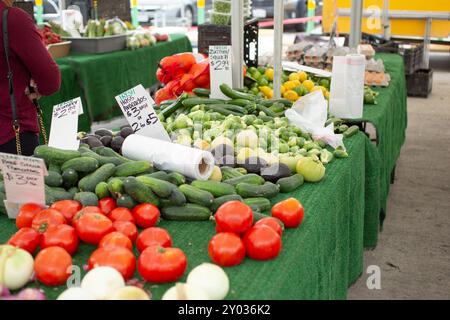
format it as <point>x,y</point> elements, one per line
<point>319,260</point>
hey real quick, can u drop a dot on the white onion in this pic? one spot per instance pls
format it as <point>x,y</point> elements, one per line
<point>212,279</point>
<point>75,293</point>
<point>184,291</point>
<point>130,293</point>
<point>102,282</point>
<point>16,267</point>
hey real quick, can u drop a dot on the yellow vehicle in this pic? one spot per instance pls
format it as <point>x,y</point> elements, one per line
<point>407,18</point>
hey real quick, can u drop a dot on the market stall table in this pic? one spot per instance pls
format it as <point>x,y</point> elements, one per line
<point>319,260</point>
<point>98,78</point>
<point>390,119</point>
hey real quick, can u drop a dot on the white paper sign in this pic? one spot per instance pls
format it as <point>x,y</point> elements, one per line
<point>137,106</point>
<point>24,181</point>
<point>220,60</point>
<point>63,133</point>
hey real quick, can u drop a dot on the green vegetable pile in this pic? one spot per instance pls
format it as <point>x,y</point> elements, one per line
<point>370,95</point>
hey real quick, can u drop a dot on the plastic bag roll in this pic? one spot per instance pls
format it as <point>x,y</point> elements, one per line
<point>347,86</point>
<point>193,163</point>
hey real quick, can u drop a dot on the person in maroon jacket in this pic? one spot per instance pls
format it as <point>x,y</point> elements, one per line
<point>32,67</point>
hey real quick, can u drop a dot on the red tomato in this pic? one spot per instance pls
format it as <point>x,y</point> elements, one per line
<point>92,227</point>
<point>226,249</point>
<point>52,266</point>
<point>262,243</point>
<point>270,222</point>
<point>121,214</point>
<point>26,214</point>
<point>63,236</point>
<point>107,205</point>
<point>289,211</point>
<point>68,208</point>
<point>47,218</point>
<point>234,216</point>
<point>26,239</point>
<point>118,258</point>
<point>146,215</point>
<point>127,228</point>
<point>116,239</point>
<point>88,209</point>
<point>153,236</point>
<point>160,265</point>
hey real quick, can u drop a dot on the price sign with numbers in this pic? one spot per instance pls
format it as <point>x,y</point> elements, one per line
<point>24,181</point>
<point>63,134</point>
<point>137,106</point>
<point>220,59</point>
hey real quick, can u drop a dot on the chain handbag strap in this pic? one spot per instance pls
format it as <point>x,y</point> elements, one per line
<point>15,124</point>
<point>41,124</point>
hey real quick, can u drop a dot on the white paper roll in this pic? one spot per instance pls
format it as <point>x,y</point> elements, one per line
<point>193,163</point>
<point>347,86</point>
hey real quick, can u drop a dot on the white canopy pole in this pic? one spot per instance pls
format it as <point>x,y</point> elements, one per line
<point>355,23</point>
<point>237,42</point>
<point>386,23</point>
<point>278,46</point>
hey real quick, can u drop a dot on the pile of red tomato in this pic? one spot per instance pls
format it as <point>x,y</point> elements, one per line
<point>114,230</point>
<point>238,237</point>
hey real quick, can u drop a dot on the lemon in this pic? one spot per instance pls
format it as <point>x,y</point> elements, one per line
<point>289,85</point>
<point>294,76</point>
<point>291,95</point>
<point>308,84</point>
<point>302,76</point>
<point>282,89</point>
<point>269,74</point>
<point>268,93</point>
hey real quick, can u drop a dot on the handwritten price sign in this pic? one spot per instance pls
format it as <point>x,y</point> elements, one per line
<point>220,59</point>
<point>63,134</point>
<point>137,106</point>
<point>24,181</point>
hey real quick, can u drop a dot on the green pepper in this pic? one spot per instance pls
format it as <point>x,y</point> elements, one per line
<point>351,131</point>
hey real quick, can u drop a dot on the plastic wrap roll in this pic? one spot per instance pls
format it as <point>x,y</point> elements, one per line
<point>193,163</point>
<point>347,86</point>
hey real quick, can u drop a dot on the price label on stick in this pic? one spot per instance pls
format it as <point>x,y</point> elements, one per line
<point>63,133</point>
<point>220,59</point>
<point>24,181</point>
<point>137,106</point>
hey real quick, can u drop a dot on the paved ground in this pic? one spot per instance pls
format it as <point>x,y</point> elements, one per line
<point>413,251</point>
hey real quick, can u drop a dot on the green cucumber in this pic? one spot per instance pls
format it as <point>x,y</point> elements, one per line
<point>188,212</point>
<point>197,196</point>
<point>89,182</point>
<point>217,202</point>
<point>177,198</point>
<point>126,201</point>
<point>234,94</point>
<point>229,107</point>
<point>139,191</point>
<point>221,110</point>
<point>54,155</point>
<point>229,173</point>
<point>258,204</point>
<point>266,110</point>
<point>248,190</point>
<point>81,164</point>
<point>86,198</point>
<point>57,193</point>
<point>351,131</point>
<point>192,102</point>
<point>291,183</point>
<point>73,191</point>
<point>176,178</point>
<point>115,187</point>
<point>108,152</point>
<point>101,190</point>
<point>201,92</point>
<point>217,189</point>
<point>101,159</point>
<point>160,187</point>
<point>176,105</point>
<point>70,178</point>
<point>54,167</point>
<point>133,168</point>
<point>53,179</point>
<point>252,178</point>
<point>161,175</point>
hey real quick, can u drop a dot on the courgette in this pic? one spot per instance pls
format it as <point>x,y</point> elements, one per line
<point>217,189</point>
<point>192,102</point>
<point>201,92</point>
<point>234,94</point>
<point>139,191</point>
<point>188,212</point>
<point>174,106</point>
<point>221,110</point>
<point>248,190</point>
<point>197,196</point>
<point>251,178</point>
<point>290,183</point>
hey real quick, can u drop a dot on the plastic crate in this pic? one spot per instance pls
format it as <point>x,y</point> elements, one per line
<point>420,83</point>
<point>98,45</point>
<point>210,35</point>
<point>412,56</point>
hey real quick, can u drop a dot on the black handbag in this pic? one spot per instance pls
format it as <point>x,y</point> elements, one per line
<point>16,124</point>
